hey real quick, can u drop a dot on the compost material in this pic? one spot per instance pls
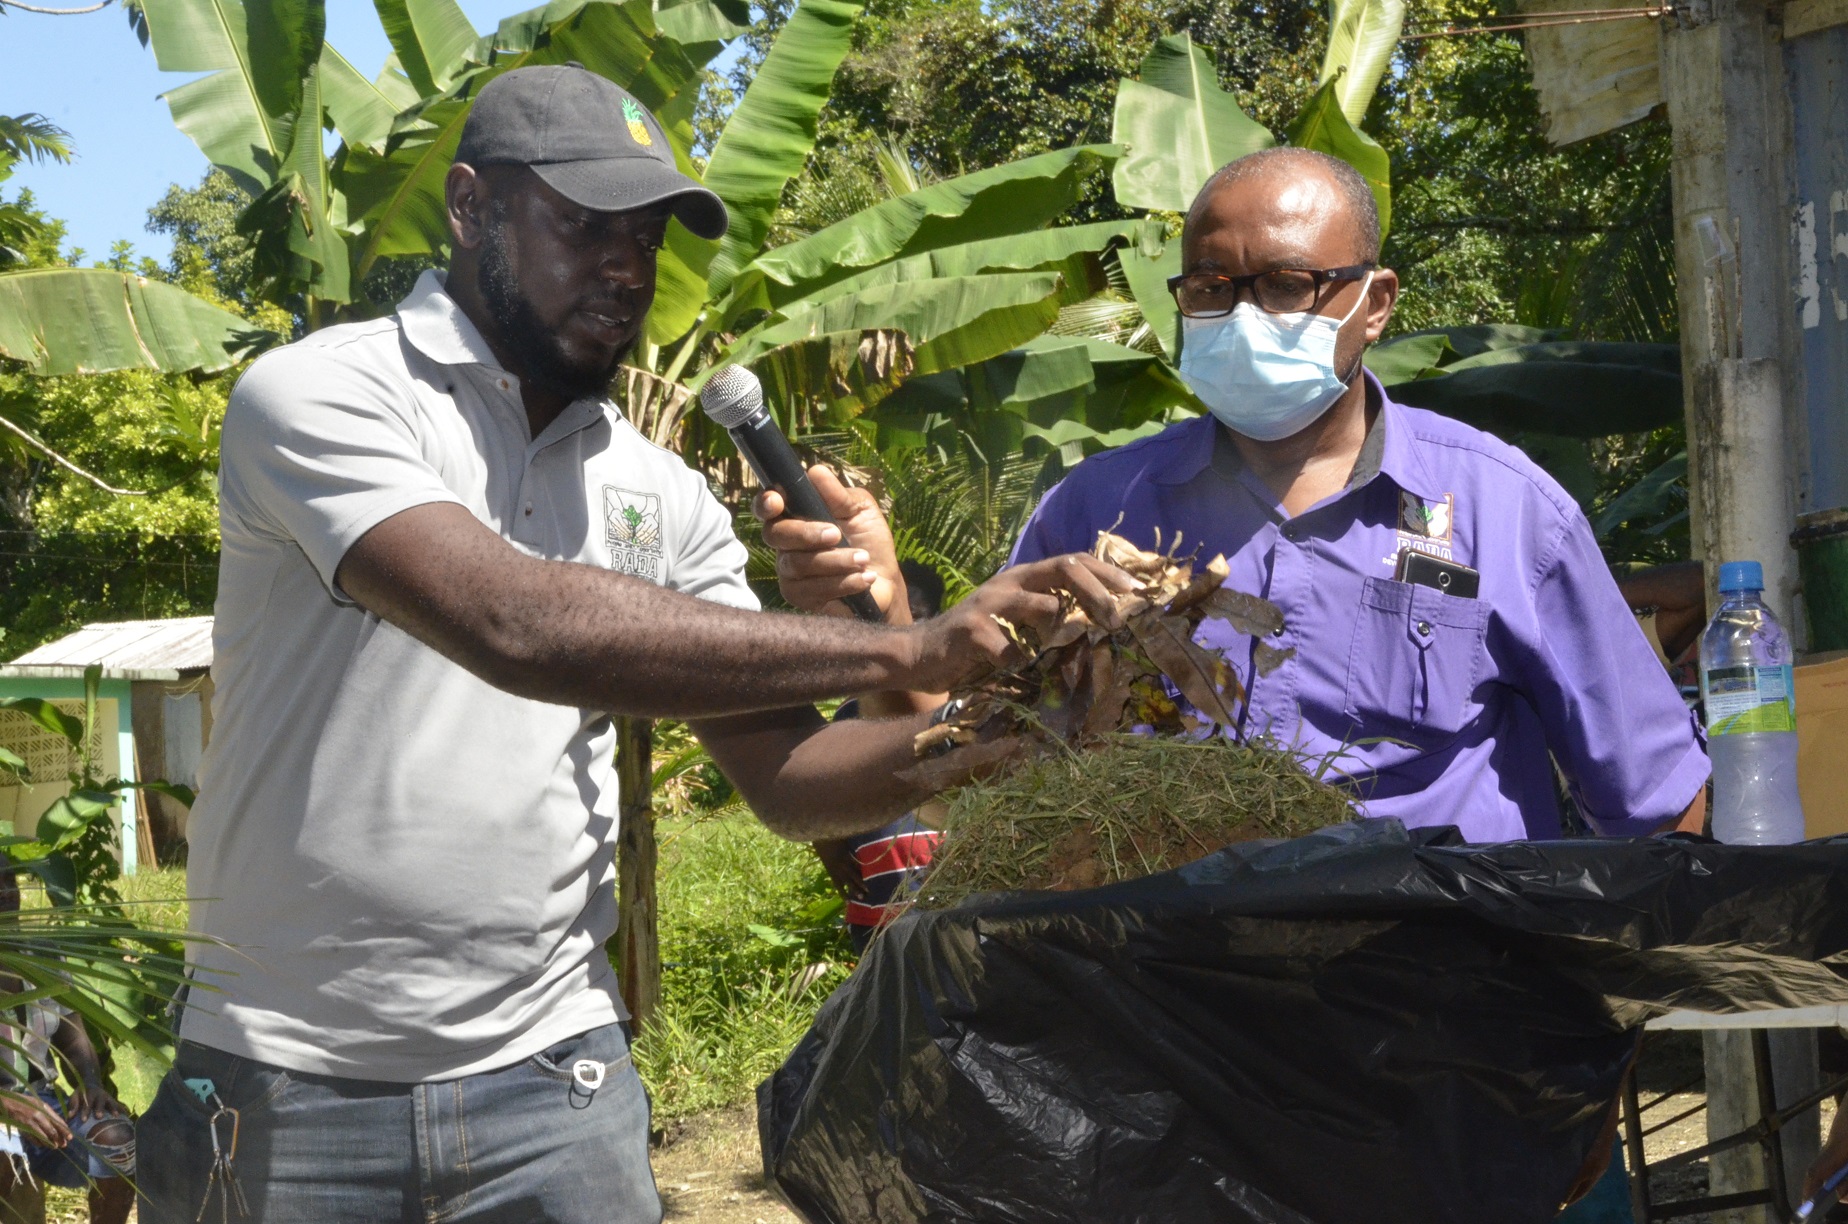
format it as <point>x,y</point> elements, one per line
<point>1081,682</point>
<point>1365,1023</point>
<point>1126,806</point>
<point>1071,800</point>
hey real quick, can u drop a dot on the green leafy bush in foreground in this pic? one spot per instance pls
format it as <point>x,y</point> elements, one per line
<point>751,943</point>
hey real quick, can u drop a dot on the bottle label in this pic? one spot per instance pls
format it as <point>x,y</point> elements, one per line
<point>1747,699</point>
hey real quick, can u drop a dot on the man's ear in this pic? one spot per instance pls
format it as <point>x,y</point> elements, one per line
<point>1382,295</point>
<point>465,195</point>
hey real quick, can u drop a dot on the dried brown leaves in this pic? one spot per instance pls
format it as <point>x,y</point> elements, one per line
<point>1083,682</point>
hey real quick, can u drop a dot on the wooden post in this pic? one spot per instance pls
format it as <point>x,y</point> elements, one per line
<point>638,937</point>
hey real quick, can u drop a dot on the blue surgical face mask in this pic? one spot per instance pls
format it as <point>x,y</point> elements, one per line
<point>1266,376</point>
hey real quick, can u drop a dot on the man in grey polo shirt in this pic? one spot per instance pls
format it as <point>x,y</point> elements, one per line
<point>447,560</point>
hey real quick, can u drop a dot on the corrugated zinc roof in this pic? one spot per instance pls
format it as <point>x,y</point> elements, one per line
<point>181,644</point>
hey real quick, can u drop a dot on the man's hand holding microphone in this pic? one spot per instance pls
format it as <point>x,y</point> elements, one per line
<point>840,564</point>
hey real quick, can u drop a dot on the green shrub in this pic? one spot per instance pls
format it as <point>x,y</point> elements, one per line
<point>751,943</point>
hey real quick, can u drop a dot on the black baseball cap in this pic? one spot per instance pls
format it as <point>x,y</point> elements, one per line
<point>588,139</point>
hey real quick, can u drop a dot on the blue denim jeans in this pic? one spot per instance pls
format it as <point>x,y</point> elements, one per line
<point>518,1145</point>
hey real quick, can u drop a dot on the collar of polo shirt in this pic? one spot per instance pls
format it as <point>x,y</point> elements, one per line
<point>437,328</point>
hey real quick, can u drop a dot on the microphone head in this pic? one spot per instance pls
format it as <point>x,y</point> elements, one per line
<point>732,396</point>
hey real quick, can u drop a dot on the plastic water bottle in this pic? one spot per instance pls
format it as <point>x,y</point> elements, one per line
<point>1746,687</point>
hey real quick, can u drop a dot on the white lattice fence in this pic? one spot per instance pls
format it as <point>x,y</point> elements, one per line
<point>49,757</point>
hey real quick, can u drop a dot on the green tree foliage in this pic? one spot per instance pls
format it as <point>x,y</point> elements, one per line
<point>115,969</point>
<point>209,255</point>
<point>1490,224</point>
<point>1496,226</point>
<point>32,137</point>
<point>962,85</point>
<point>72,552</point>
<point>28,137</point>
<point>1489,219</point>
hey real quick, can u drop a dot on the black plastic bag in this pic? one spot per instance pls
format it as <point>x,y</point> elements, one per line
<point>1365,1024</point>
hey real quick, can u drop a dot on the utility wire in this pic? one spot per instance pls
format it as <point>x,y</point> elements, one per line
<point>33,8</point>
<point>108,561</point>
<point>1504,26</point>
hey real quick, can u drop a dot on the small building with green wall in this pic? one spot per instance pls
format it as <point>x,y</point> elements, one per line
<point>153,720</point>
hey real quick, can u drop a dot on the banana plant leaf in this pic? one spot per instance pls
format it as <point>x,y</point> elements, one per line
<point>1147,264</point>
<point>297,247</point>
<point>433,40</point>
<point>846,355</point>
<point>258,116</point>
<point>90,320</point>
<point>396,196</point>
<point>768,138</point>
<point>1016,198</point>
<point>1362,35</point>
<point>1038,251</point>
<point>362,111</point>
<point>837,376</point>
<point>1075,395</point>
<point>1179,126</point>
<point>1662,358</point>
<point>1567,460</point>
<point>1649,498</point>
<point>1404,358</point>
<point>244,114</point>
<point>680,285</point>
<point>1321,125</point>
<point>694,23</point>
<point>1575,399</point>
<point>1479,337</point>
<point>619,41</point>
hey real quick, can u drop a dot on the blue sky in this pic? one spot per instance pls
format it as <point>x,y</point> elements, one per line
<point>92,77</point>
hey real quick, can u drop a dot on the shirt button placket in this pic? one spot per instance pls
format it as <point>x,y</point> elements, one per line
<point>1274,696</point>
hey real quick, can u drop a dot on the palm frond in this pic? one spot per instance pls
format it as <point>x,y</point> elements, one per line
<point>32,137</point>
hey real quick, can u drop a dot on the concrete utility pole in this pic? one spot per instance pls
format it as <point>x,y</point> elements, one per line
<point>1768,440</point>
<point>1723,76</point>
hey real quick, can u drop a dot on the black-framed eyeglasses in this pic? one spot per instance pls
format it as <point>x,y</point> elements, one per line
<point>1208,295</point>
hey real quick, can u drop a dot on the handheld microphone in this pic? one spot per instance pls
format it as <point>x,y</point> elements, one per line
<point>734,399</point>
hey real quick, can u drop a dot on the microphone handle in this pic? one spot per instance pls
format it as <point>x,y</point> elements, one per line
<point>768,452</point>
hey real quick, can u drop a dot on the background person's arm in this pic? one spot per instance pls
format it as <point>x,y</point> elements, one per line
<point>1678,593</point>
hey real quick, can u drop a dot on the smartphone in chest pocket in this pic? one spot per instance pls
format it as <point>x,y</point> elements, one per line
<point>1422,569</point>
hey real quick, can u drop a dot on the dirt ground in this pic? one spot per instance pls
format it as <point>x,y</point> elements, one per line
<point>709,1172</point>
<point>1667,1065</point>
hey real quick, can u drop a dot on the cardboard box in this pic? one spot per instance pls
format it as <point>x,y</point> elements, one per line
<point>1822,742</point>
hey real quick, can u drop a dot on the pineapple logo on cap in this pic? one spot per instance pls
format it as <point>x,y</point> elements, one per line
<point>638,131</point>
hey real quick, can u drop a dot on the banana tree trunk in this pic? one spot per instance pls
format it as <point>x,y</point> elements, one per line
<point>638,938</point>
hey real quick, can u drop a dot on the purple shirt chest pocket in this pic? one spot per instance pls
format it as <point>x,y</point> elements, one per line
<point>1415,659</point>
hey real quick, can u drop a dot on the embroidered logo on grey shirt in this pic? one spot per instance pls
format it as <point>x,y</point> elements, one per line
<point>632,528</point>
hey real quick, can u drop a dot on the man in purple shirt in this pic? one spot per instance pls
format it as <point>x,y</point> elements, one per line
<point>1440,706</point>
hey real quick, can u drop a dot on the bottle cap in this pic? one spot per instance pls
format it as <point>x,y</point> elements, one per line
<point>1741,576</point>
